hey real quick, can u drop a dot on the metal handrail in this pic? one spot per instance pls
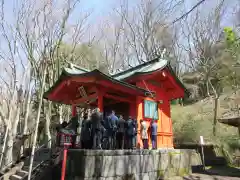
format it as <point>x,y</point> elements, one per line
<point>4,154</point>
<point>40,164</point>
<point>28,157</point>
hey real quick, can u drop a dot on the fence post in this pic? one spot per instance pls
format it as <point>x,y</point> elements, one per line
<point>202,149</point>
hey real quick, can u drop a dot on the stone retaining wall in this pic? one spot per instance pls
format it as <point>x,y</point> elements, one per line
<point>130,164</point>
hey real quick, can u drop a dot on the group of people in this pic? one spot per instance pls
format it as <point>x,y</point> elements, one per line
<point>111,131</point>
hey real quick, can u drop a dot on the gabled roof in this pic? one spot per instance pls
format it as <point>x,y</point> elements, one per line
<point>147,67</point>
<point>81,72</point>
<point>231,121</point>
<point>76,71</point>
<point>119,78</point>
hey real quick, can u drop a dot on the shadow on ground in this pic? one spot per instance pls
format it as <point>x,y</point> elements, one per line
<point>224,171</point>
<point>214,173</point>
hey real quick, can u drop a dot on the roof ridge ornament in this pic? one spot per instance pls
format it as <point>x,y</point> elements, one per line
<point>163,53</point>
<point>70,64</point>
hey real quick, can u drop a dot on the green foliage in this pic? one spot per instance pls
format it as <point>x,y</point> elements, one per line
<point>233,43</point>
<point>192,121</point>
<point>230,36</point>
<point>228,73</point>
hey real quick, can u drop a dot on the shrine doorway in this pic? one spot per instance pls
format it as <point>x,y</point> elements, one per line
<point>120,108</point>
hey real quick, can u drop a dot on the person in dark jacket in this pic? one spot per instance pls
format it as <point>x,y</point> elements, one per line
<point>120,132</point>
<point>64,124</point>
<point>154,134</point>
<point>112,121</point>
<point>96,120</point>
<point>88,134</point>
<point>130,132</point>
<point>84,132</point>
<point>74,126</point>
<point>135,129</point>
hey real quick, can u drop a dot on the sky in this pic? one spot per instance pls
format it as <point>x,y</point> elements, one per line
<point>100,10</point>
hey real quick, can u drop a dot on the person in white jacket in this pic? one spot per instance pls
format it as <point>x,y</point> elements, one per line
<point>144,134</point>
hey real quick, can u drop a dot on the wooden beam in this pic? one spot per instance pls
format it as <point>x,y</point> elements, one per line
<point>118,98</point>
<point>165,133</point>
<point>68,82</point>
<point>84,99</point>
<point>119,88</point>
<point>151,93</point>
<point>110,103</point>
<point>92,89</point>
<point>173,81</point>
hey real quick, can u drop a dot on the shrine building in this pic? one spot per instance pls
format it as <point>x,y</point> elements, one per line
<point>143,92</point>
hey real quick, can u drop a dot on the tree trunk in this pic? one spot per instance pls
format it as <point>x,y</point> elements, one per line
<point>16,121</point>
<point>4,145</point>
<point>239,130</point>
<point>9,138</point>
<point>26,143</point>
<point>37,123</point>
<point>25,129</point>
<point>60,114</point>
<point>215,115</point>
<point>8,159</point>
<point>216,97</point>
<point>68,113</point>
<point>207,87</point>
<point>47,125</point>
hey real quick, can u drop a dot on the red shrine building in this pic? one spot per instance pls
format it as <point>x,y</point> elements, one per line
<point>143,92</point>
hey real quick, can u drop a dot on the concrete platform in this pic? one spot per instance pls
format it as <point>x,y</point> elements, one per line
<point>137,164</point>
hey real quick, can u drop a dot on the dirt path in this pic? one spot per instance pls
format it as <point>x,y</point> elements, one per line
<point>209,177</point>
<point>214,173</point>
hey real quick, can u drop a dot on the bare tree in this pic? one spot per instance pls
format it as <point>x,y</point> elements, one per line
<point>146,30</point>
<point>11,108</point>
<point>34,38</point>
<point>204,47</point>
<point>138,34</point>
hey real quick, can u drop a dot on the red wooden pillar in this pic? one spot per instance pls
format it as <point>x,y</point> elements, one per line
<point>100,101</point>
<point>139,116</point>
<point>132,110</point>
<point>64,163</point>
<point>74,110</point>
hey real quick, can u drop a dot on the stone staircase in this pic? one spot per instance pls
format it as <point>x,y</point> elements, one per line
<point>44,158</point>
<point>19,175</point>
<point>213,155</point>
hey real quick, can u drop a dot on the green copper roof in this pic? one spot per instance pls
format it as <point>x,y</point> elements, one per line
<point>74,69</point>
<point>147,67</point>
